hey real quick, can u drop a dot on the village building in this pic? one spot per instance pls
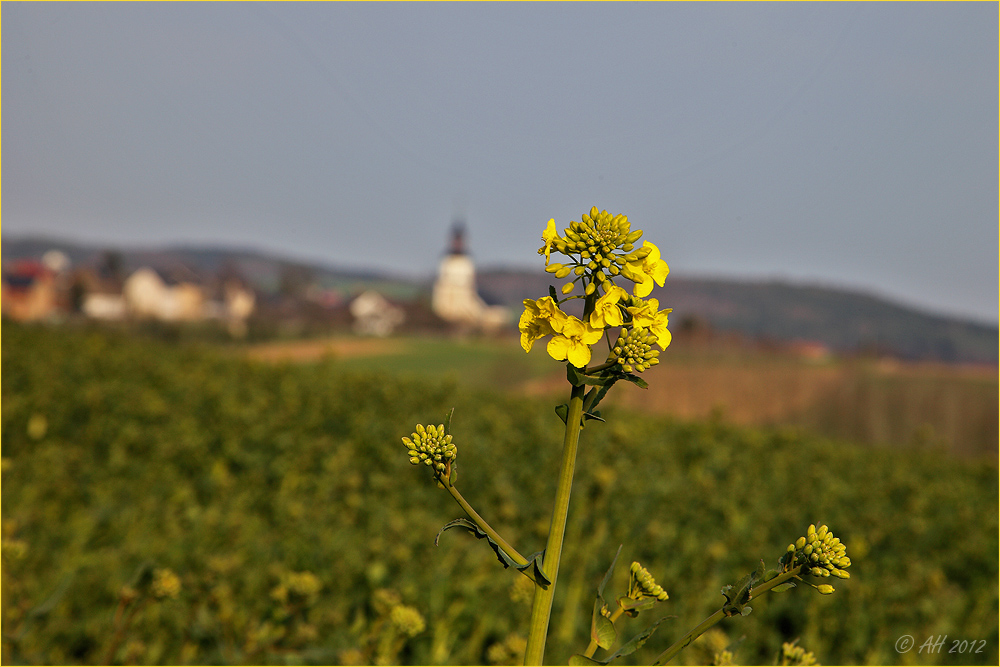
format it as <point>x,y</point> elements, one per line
<point>455,298</point>
<point>374,315</point>
<point>29,291</point>
<point>148,295</point>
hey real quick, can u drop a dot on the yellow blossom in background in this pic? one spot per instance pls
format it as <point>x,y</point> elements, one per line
<point>166,584</point>
<point>606,311</point>
<point>573,342</point>
<point>548,236</point>
<point>648,270</point>
<point>540,318</point>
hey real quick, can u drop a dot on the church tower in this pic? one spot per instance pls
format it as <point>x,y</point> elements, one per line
<point>455,298</point>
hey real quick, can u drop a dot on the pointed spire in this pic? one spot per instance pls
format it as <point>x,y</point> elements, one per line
<point>457,246</point>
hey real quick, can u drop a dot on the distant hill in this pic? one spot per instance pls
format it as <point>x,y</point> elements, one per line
<point>845,321</point>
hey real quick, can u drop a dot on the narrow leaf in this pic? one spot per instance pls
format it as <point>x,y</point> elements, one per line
<point>636,642</point>
<point>583,660</point>
<point>783,587</point>
<point>636,380</point>
<point>534,562</point>
<point>607,575</point>
<point>447,421</point>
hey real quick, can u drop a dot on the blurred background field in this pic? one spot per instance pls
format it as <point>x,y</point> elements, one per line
<point>879,401</point>
<point>271,481</point>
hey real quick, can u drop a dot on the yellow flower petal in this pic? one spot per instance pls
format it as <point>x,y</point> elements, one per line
<point>548,236</point>
<point>607,313</point>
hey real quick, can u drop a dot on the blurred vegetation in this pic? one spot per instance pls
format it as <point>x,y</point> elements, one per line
<point>281,499</point>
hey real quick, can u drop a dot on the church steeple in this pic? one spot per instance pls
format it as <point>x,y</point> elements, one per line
<point>457,245</point>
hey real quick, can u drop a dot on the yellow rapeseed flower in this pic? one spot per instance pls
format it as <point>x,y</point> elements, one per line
<point>548,236</point>
<point>573,341</point>
<point>647,316</point>
<point>607,313</point>
<point>648,270</point>
<point>540,318</point>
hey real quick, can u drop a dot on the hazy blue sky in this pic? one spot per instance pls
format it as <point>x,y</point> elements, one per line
<point>843,144</point>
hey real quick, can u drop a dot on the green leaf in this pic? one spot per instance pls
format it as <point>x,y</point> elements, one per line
<point>447,421</point>
<point>636,642</point>
<point>738,594</point>
<point>783,587</point>
<point>599,380</point>
<point>534,562</point>
<point>594,397</point>
<point>563,412</point>
<point>553,293</point>
<point>609,573</point>
<point>636,380</point>
<point>602,630</point>
<point>596,416</point>
<point>574,375</point>
<point>628,604</point>
<point>583,660</point>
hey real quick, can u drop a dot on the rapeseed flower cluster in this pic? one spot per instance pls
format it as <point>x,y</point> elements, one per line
<point>642,585</point>
<point>821,554</point>
<point>600,249</point>
<point>431,446</point>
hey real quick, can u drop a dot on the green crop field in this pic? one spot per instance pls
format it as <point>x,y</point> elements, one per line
<point>178,504</point>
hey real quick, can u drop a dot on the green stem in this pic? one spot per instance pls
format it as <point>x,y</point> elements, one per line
<point>542,607</point>
<point>481,522</point>
<point>698,630</point>
<point>600,367</point>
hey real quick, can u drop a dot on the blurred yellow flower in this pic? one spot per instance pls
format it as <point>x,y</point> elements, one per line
<point>649,269</point>
<point>540,318</point>
<point>166,584</point>
<point>573,341</point>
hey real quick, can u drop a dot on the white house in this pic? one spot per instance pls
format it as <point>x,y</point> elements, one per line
<point>374,315</point>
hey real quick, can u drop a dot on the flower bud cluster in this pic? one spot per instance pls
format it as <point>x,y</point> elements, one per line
<point>642,585</point>
<point>430,446</point>
<point>634,350</point>
<point>820,553</point>
<point>600,246</point>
